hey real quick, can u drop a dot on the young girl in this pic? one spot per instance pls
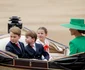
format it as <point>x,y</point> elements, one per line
<point>42,34</point>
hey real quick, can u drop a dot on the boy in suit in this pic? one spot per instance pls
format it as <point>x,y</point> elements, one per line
<point>33,49</point>
<point>14,45</point>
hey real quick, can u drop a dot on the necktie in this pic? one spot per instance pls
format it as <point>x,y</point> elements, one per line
<point>18,45</point>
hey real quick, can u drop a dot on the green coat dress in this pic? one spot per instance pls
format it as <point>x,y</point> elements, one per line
<point>77,45</point>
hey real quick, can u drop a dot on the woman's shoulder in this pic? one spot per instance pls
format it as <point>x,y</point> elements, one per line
<point>77,39</point>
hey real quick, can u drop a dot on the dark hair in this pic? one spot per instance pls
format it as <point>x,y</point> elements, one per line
<point>81,31</point>
<point>32,34</point>
<point>43,28</point>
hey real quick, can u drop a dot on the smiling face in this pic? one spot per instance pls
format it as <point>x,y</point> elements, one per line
<point>14,37</point>
<point>41,34</point>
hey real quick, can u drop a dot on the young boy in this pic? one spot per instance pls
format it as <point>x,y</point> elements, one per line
<point>14,45</point>
<point>33,49</point>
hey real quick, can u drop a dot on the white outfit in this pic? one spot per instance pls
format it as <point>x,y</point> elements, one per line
<point>46,42</point>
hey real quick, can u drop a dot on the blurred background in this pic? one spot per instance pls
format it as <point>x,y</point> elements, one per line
<point>47,13</point>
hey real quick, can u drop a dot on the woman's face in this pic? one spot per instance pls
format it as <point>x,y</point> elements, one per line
<point>73,31</point>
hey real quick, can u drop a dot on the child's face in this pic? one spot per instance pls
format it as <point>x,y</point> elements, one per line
<point>29,40</point>
<point>14,37</point>
<point>41,34</point>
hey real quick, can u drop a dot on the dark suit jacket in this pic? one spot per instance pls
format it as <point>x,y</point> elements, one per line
<point>11,47</point>
<point>32,54</point>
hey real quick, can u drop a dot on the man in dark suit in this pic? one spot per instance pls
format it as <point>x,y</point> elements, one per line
<point>14,45</point>
<point>34,50</point>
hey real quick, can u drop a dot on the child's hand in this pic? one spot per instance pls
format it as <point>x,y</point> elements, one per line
<point>45,60</point>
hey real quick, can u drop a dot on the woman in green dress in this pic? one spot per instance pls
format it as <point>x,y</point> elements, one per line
<point>76,28</point>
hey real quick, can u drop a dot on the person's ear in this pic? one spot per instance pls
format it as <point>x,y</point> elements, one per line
<point>19,36</point>
<point>33,39</point>
<point>46,34</point>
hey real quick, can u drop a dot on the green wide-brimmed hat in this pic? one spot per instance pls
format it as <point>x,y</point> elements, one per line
<point>75,24</point>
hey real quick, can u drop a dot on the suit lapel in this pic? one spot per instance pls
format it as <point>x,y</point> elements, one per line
<point>16,48</point>
<point>31,49</point>
<point>21,47</point>
<point>37,48</point>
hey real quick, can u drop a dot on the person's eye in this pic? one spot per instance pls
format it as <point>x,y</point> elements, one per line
<point>14,37</point>
<point>41,33</point>
<point>11,36</point>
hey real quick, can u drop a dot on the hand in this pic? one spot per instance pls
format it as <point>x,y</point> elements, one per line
<point>45,60</point>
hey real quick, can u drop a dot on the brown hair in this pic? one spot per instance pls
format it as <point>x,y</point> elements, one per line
<point>15,30</point>
<point>81,31</point>
<point>43,28</point>
<point>32,34</point>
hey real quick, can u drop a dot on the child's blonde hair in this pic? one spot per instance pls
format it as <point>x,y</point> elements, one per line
<point>15,30</point>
